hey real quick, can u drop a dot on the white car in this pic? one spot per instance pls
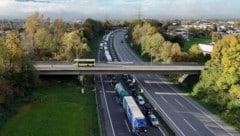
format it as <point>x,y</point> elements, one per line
<point>140,100</point>
<point>153,120</point>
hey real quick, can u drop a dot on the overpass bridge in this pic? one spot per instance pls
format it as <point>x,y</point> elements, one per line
<point>117,68</point>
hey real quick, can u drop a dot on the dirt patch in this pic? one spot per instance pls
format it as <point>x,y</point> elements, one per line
<point>25,107</point>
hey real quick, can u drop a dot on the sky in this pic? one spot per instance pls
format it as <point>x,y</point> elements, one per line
<point>122,9</point>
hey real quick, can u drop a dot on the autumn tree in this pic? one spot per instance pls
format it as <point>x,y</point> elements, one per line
<point>44,43</point>
<point>195,53</point>
<point>12,50</point>
<point>58,29</point>
<point>75,47</point>
<point>219,84</point>
<point>32,24</point>
<point>152,43</point>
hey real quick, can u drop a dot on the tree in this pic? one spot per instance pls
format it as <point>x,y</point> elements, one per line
<point>219,83</point>
<point>152,43</point>
<point>195,53</point>
<point>13,50</point>
<point>5,91</point>
<point>165,52</point>
<point>75,48</point>
<point>44,44</point>
<point>58,29</point>
<point>33,22</point>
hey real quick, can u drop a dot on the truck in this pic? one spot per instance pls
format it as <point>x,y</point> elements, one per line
<point>121,92</point>
<point>135,116</point>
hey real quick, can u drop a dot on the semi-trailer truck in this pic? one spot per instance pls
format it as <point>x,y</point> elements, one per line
<point>121,92</point>
<point>135,116</point>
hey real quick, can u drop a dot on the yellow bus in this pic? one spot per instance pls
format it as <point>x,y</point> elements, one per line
<point>84,62</point>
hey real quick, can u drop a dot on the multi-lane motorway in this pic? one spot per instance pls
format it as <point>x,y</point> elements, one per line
<point>182,114</point>
<point>115,122</point>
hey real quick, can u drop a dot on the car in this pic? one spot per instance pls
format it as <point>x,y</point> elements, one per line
<point>153,120</point>
<point>134,93</point>
<point>124,77</point>
<point>140,100</point>
<point>147,108</point>
<point>114,80</point>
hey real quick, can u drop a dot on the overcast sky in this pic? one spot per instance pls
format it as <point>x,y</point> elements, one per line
<point>121,9</point>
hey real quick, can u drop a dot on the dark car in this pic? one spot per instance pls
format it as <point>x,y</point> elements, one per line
<point>124,77</point>
<point>114,80</point>
<point>147,108</point>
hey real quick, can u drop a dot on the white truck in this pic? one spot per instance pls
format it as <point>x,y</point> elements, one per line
<point>135,116</point>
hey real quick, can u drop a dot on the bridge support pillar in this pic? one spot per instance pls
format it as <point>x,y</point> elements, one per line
<point>186,79</point>
<point>80,78</point>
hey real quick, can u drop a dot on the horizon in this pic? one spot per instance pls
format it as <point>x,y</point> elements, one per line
<point>121,9</point>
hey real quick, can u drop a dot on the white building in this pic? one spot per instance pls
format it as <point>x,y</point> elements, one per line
<point>206,48</point>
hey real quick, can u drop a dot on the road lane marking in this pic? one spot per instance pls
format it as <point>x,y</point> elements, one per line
<point>161,131</point>
<point>208,116</point>
<point>107,106</point>
<point>164,99</point>
<point>209,130</point>
<point>162,111</point>
<point>127,125</point>
<point>178,102</point>
<point>189,124</point>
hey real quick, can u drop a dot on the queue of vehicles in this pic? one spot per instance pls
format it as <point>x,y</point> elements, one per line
<point>133,105</point>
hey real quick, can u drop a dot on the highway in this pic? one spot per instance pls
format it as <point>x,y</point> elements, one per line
<point>115,122</point>
<point>182,114</point>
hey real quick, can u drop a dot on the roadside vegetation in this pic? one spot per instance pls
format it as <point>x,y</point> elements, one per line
<point>195,41</point>
<point>40,39</point>
<point>218,88</point>
<point>57,110</point>
<point>148,40</point>
<point>219,82</point>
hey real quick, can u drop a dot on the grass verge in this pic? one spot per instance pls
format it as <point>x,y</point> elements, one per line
<point>57,110</point>
<point>188,44</point>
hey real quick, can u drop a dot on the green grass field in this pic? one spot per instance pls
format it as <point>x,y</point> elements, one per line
<point>192,41</point>
<point>57,110</point>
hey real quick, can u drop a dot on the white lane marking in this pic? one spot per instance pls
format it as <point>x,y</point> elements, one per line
<point>148,75</point>
<point>107,107</point>
<point>178,102</point>
<point>117,99</point>
<point>189,124</point>
<point>127,125</point>
<point>164,99</point>
<point>162,131</point>
<point>208,116</point>
<point>163,112</point>
<point>209,130</point>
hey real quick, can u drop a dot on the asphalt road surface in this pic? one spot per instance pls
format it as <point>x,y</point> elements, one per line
<point>115,119</point>
<point>182,114</point>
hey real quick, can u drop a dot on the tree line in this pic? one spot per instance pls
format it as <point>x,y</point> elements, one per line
<point>59,40</point>
<point>219,84</point>
<point>147,37</point>
<point>40,39</point>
